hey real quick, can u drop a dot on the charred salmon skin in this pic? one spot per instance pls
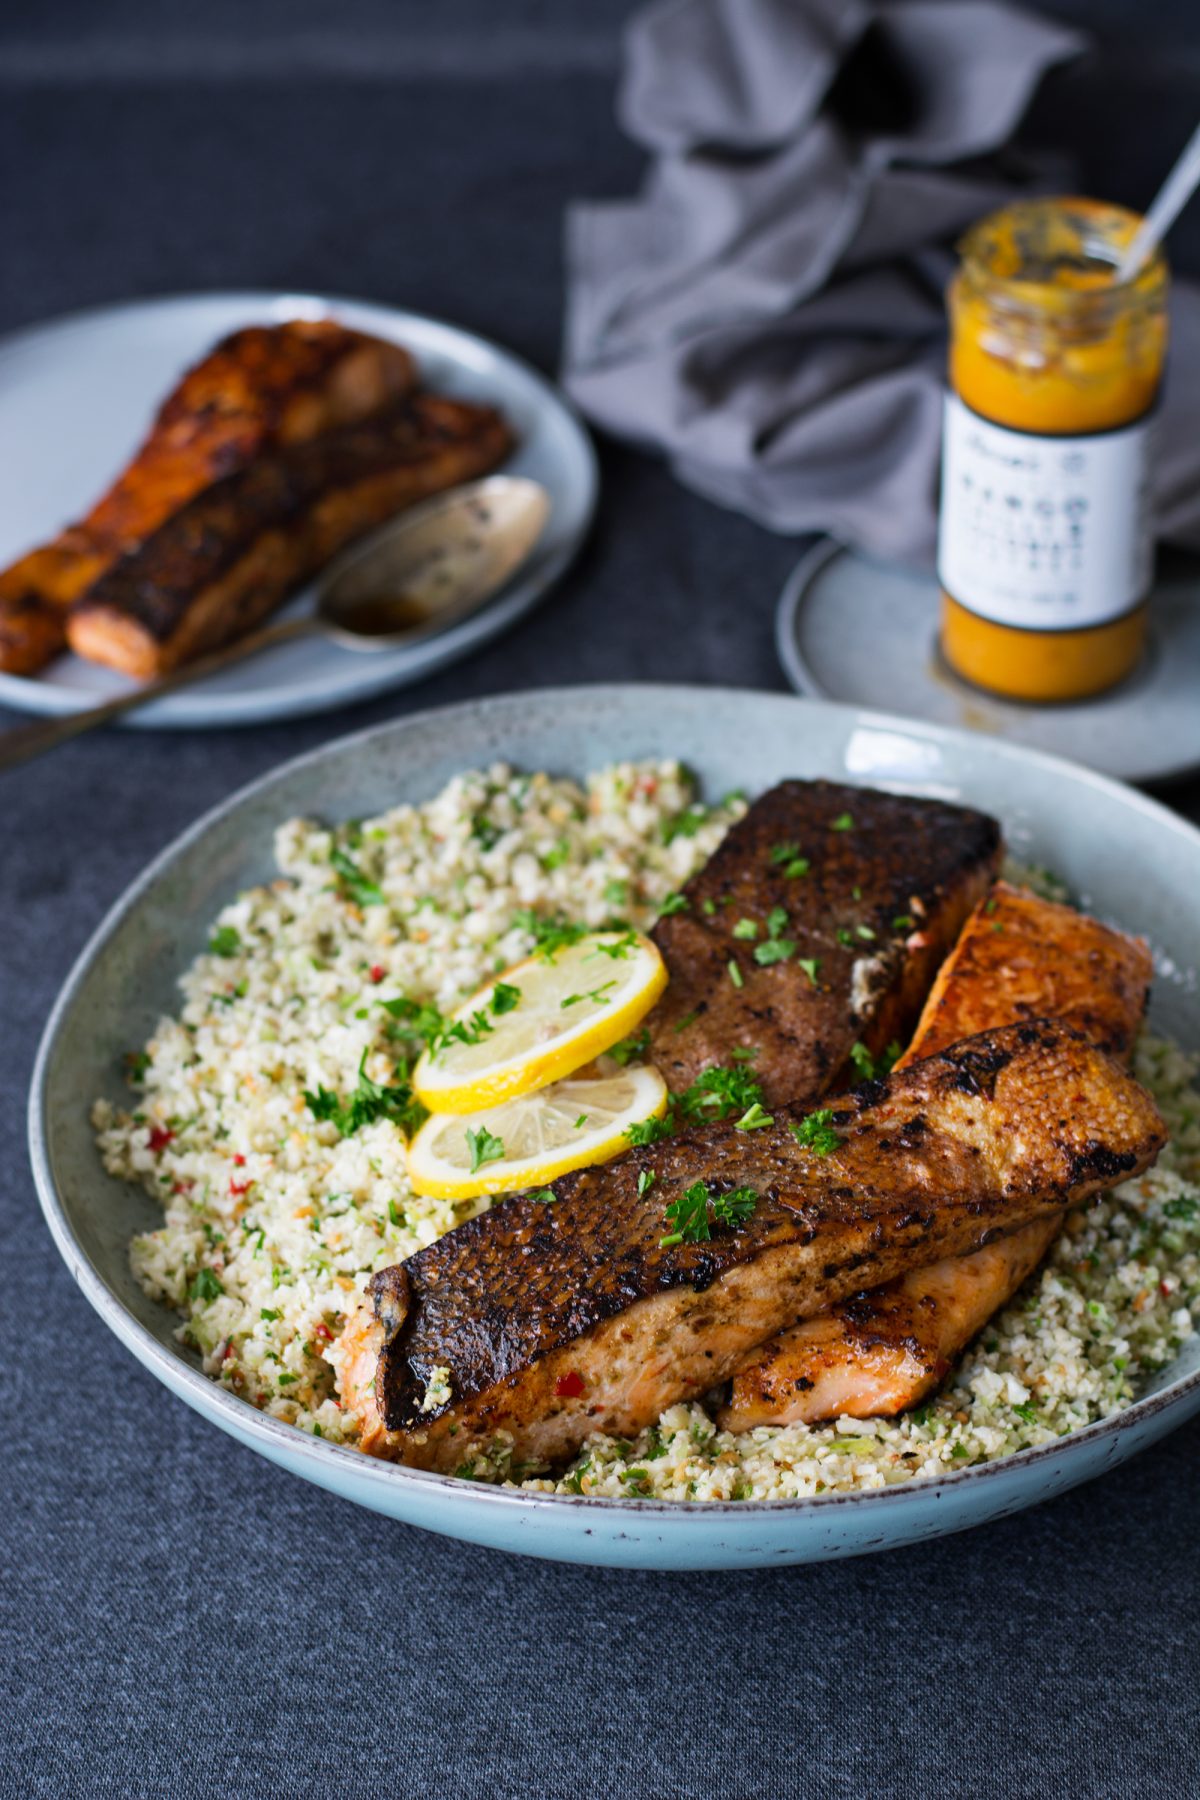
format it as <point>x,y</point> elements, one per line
<point>229,557</point>
<point>263,387</point>
<point>548,1320</point>
<point>883,1351</point>
<point>819,922</point>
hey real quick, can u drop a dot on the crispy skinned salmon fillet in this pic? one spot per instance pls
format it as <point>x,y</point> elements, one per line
<point>883,1351</point>
<point>263,387</point>
<point>868,889</point>
<point>551,1320</point>
<point>229,557</point>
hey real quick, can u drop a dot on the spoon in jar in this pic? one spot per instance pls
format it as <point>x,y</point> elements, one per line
<point>425,572</point>
<point>1165,208</point>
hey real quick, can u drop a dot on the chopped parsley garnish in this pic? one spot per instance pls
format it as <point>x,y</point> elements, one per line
<point>370,1100</point>
<point>353,883</point>
<point>646,1180</point>
<point>754,1118</point>
<point>486,834</point>
<point>556,856</point>
<point>395,1215</point>
<point>843,822</point>
<point>573,1482</point>
<point>136,1064</point>
<point>616,893</point>
<point>581,1121</point>
<point>1027,1411</point>
<point>413,1022</point>
<point>1182,1207</point>
<point>687,1019</point>
<point>549,935</point>
<point>595,994</point>
<point>631,1047</point>
<point>484,1147</point>
<point>719,1093</point>
<point>504,998</point>
<point>903,922</point>
<point>735,974</point>
<point>618,951</point>
<point>687,1218</point>
<point>843,936</point>
<point>270,1314</point>
<point>205,1286</point>
<point>708,907</point>
<point>864,931</point>
<point>224,941</point>
<point>868,1066</point>
<point>544,1196</point>
<point>464,1031</point>
<point>674,903</point>
<point>774,950</point>
<point>692,1216</point>
<point>811,968</point>
<point>745,928</point>
<point>685,824</point>
<point>649,1131</point>
<point>776,947</point>
<point>816,1132</point>
<point>788,857</point>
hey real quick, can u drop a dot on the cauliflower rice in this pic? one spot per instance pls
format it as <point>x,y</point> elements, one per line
<point>272,1221</point>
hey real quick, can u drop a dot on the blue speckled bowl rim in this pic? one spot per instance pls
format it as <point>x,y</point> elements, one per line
<point>246,1421</point>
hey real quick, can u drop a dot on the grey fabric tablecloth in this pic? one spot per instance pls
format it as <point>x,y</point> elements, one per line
<point>176,1618</point>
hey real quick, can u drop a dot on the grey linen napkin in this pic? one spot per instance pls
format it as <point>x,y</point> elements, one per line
<point>769,311</point>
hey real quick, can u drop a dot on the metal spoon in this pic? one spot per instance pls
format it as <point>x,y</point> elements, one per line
<point>426,571</point>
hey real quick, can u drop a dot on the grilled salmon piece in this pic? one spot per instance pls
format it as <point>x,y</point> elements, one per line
<point>549,1321</point>
<point>265,386</point>
<point>884,1351</point>
<point>228,558</point>
<point>859,894</point>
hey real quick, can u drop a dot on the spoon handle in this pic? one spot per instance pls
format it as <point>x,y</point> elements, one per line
<point>31,740</point>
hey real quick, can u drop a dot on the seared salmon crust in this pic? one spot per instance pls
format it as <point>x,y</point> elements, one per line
<point>819,922</point>
<point>1018,957</point>
<point>262,387</point>
<point>223,561</point>
<point>549,1321</point>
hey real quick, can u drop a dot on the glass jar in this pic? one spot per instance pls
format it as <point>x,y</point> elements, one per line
<point>1045,546</point>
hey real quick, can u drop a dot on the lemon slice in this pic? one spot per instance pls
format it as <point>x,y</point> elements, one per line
<point>527,1142</point>
<point>540,1020</point>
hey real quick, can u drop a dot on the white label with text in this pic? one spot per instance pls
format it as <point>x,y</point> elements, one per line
<point>1044,533</point>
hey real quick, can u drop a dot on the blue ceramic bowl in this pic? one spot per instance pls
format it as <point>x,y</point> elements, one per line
<point>1126,857</point>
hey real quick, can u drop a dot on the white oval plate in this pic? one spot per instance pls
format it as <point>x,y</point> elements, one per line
<point>1124,855</point>
<point>76,398</point>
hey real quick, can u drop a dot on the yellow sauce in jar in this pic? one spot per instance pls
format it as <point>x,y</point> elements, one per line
<point>1044,551</point>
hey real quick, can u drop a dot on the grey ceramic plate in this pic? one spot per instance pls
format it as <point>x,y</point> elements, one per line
<point>865,632</point>
<point>1124,855</point>
<point>76,396</point>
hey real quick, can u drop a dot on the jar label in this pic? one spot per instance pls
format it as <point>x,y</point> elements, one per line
<point>1044,533</point>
